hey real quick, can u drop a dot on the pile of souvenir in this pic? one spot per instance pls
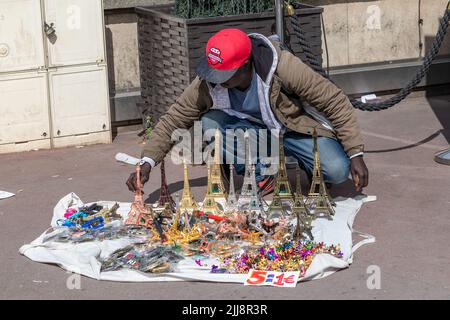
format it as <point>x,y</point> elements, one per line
<point>111,231</point>
<point>242,232</point>
<point>89,217</point>
<point>143,258</point>
<point>280,256</point>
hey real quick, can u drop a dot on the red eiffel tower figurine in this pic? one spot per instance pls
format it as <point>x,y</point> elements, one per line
<point>164,195</point>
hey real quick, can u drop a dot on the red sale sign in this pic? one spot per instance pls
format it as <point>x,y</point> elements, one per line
<point>272,278</point>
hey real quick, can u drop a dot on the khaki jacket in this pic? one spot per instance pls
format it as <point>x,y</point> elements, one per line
<point>291,84</point>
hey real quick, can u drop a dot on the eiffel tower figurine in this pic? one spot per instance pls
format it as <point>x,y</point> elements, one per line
<point>249,185</point>
<point>209,204</point>
<point>232,202</point>
<point>217,191</point>
<point>140,214</point>
<point>282,188</point>
<point>255,205</point>
<point>176,218</point>
<point>187,200</point>
<point>318,200</point>
<point>299,209</point>
<point>164,195</point>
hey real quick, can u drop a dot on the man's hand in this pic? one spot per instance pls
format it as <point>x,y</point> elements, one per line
<point>145,175</point>
<point>360,173</point>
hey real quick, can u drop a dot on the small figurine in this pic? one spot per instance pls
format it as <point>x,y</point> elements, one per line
<point>187,201</point>
<point>209,204</point>
<point>216,188</point>
<point>164,196</point>
<point>303,215</point>
<point>249,185</point>
<point>232,202</point>
<point>318,198</point>
<point>140,214</point>
<point>282,188</point>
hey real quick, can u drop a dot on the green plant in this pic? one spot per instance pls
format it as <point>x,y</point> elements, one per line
<point>148,125</point>
<point>213,8</point>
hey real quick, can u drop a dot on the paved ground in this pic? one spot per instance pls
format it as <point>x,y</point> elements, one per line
<point>410,219</point>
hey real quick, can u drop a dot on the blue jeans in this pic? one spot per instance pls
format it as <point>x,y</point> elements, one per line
<point>334,161</point>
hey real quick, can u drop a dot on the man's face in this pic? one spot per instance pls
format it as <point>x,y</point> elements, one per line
<point>241,79</point>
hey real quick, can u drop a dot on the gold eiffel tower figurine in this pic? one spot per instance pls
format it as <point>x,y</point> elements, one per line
<point>209,204</point>
<point>318,198</point>
<point>187,201</point>
<point>299,209</point>
<point>276,209</point>
<point>282,188</point>
<point>179,216</point>
<point>217,190</point>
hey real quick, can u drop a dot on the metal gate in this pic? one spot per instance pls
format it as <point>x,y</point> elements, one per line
<point>53,74</point>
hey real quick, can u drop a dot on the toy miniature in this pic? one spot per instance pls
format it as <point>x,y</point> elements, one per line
<point>164,196</point>
<point>301,212</point>
<point>249,186</point>
<point>140,214</point>
<point>209,204</point>
<point>187,201</point>
<point>318,199</point>
<point>216,188</point>
<point>232,202</point>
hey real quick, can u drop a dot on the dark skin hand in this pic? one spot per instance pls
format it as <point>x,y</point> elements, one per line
<point>360,173</point>
<point>146,168</point>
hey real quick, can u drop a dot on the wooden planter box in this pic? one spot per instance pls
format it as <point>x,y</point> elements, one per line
<point>169,47</point>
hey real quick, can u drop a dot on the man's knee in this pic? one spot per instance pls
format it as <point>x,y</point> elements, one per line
<point>213,119</point>
<point>336,171</point>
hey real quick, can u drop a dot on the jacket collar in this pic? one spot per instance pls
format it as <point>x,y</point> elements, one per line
<point>265,56</point>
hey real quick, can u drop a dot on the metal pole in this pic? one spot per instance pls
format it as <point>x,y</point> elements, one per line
<point>279,14</point>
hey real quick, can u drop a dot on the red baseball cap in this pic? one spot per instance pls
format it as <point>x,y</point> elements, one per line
<point>226,52</point>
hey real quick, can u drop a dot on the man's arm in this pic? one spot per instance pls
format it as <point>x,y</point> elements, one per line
<point>187,109</point>
<point>325,96</point>
<point>329,99</point>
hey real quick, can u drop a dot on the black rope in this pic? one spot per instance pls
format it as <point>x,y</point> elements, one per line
<point>313,62</point>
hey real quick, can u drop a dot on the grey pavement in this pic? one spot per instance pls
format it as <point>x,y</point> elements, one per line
<point>410,219</point>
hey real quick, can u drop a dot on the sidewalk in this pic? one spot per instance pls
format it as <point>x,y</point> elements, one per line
<point>411,218</point>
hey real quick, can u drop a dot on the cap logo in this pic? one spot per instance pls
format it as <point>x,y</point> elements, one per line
<point>214,56</point>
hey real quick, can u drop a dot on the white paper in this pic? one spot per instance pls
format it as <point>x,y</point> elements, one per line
<point>82,258</point>
<point>368,97</point>
<point>125,158</point>
<point>5,195</point>
<point>272,278</point>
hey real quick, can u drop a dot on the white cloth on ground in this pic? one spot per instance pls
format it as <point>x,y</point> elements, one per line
<point>83,258</point>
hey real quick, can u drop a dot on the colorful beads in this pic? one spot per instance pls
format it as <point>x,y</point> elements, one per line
<point>282,257</point>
